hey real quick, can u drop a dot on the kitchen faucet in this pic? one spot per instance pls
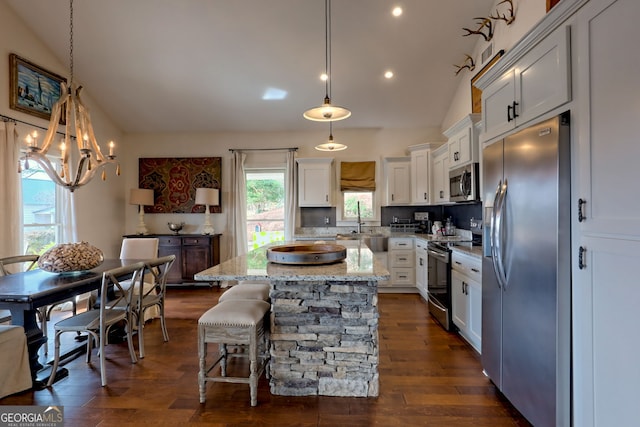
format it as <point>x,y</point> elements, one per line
<point>359,220</point>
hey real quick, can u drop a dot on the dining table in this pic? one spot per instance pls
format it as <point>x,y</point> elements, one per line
<point>25,292</point>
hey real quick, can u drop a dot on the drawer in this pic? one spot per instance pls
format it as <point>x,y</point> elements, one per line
<point>169,241</point>
<point>401,259</point>
<point>401,243</point>
<point>195,241</point>
<point>402,277</point>
<point>467,265</point>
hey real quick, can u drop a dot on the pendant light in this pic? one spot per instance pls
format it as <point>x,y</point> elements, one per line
<point>331,145</point>
<point>327,112</point>
<point>88,155</point>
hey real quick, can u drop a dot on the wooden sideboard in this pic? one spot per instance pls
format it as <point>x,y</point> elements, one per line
<point>194,253</point>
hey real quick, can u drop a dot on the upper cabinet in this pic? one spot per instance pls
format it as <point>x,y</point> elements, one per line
<point>398,173</point>
<point>315,182</point>
<point>534,85</point>
<point>463,141</point>
<point>420,174</point>
<point>440,174</point>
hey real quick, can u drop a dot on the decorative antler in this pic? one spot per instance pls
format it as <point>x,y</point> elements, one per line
<point>468,63</point>
<point>484,22</point>
<point>504,17</point>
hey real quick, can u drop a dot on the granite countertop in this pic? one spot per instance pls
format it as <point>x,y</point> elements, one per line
<point>360,264</point>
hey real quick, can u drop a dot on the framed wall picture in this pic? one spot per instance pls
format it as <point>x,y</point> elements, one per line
<point>551,3</point>
<point>32,89</point>
<point>476,94</point>
<point>174,182</point>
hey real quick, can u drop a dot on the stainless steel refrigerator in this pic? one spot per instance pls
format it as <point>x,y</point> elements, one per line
<point>526,271</point>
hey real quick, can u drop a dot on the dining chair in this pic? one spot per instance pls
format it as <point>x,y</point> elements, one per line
<point>141,248</point>
<point>153,297</point>
<point>18,263</point>
<point>97,323</point>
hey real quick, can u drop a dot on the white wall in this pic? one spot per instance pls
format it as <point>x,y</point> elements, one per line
<point>528,13</point>
<point>99,204</point>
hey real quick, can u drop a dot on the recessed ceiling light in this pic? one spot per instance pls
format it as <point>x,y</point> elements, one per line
<point>397,11</point>
<point>388,74</point>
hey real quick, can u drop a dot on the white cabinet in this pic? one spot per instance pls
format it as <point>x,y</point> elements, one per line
<point>463,141</point>
<point>537,83</point>
<point>420,174</point>
<point>466,294</point>
<point>315,182</point>
<point>440,174</point>
<point>606,240</point>
<point>398,174</point>
<point>422,267</point>
<point>401,261</point>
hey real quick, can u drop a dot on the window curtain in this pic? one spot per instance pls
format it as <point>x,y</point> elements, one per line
<point>10,186</point>
<point>358,176</point>
<point>290,196</point>
<point>68,216</point>
<point>238,214</point>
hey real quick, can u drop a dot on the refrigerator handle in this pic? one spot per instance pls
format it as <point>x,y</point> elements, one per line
<point>492,234</point>
<point>496,234</point>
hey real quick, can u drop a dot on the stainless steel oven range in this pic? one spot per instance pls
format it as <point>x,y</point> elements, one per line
<point>439,284</point>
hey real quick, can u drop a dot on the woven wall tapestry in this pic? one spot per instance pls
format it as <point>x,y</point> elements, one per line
<point>174,182</point>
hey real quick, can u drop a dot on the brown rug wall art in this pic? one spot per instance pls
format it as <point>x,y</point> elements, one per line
<point>174,182</point>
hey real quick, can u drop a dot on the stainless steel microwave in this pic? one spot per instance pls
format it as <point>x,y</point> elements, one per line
<point>464,183</point>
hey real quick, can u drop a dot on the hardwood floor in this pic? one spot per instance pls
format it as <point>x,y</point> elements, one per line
<point>428,377</point>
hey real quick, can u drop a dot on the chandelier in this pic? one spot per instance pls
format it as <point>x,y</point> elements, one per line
<point>327,112</point>
<point>331,145</point>
<point>77,119</point>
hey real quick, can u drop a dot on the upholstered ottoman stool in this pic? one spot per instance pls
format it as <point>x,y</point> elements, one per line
<point>234,322</point>
<point>259,291</point>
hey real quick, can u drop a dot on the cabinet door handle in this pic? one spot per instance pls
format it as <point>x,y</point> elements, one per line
<point>441,194</point>
<point>475,270</point>
<point>326,197</point>
<point>509,107</point>
<point>425,196</point>
<point>458,262</point>
<point>581,263</point>
<point>515,113</point>
<point>392,197</point>
<point>581,216</point>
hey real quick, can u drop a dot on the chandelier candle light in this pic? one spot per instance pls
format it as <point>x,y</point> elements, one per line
<point>141,197</point>
<point>89,156</point>
<point>207,197</point>
<point>327,112</point>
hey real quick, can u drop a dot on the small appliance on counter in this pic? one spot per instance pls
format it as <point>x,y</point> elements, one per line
<point>423,225</point>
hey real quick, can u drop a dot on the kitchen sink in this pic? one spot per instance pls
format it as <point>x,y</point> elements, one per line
<point>375,242</point>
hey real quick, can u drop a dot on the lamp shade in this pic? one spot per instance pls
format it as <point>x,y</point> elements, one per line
<point>207,196</point>
<point>141,196</point>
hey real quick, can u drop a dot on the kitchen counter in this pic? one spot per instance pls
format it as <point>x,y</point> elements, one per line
<point>324,327</point>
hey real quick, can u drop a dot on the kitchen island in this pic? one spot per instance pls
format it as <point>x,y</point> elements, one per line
<point>324,322</point>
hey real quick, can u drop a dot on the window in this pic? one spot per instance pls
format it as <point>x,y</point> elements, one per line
<point>350,206</point>
<point>265,206</point>
<point>42,227</point>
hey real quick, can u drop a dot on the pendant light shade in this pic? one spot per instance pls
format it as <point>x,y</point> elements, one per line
<point>331,145</point>
<point>327,112</point>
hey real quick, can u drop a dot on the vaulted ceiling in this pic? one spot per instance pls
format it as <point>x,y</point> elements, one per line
<point>206,65</point>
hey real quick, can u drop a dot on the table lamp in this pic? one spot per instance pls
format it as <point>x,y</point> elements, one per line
<point>141,197</point>
<point>207,197</point>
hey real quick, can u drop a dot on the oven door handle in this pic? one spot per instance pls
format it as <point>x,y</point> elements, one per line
<point>438,255</point>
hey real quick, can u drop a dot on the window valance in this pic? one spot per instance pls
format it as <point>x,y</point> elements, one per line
<point>357,176</point>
